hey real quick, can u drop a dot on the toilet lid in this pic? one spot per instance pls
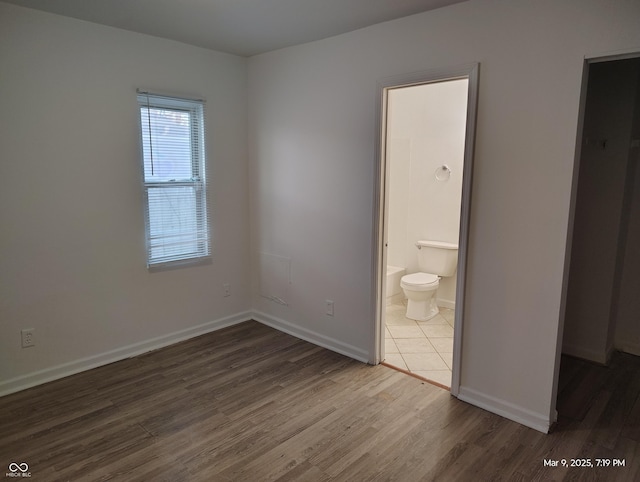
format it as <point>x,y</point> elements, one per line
<point>420,279</point>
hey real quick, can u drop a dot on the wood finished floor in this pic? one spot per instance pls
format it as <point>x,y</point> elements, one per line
<point>249,403</point>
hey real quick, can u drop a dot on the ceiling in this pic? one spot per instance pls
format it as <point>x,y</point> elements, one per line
<point>241,27</point>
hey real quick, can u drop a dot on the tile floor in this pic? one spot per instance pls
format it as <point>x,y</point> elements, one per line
<point>421,347</point>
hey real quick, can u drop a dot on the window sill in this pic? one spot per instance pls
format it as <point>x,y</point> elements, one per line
<point>183,263</point>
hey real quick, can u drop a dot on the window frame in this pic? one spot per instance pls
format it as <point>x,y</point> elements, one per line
<point>198,180</point>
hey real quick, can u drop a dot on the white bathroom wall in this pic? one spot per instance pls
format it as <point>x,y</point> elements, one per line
<point>72,243</point>
<point>399,168</point>
<point>312,140</point>
<point>426,130</point>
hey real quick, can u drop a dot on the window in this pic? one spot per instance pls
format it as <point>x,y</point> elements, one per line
<point>173,163</point>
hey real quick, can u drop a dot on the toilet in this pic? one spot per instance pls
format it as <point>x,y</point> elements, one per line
<point>436,259</point>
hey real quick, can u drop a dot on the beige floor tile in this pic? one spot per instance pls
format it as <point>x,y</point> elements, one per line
<point>424,347</point>
<point>414,345</point>
<point>436,320</point>
<point>437,331</point>
<point>396,309</point>
<point>390,346</point>
<point>448,359</point>
<point>424,361</point>
<point>399,319</point>
<point>442,345</point>
<point>396,360</point>
<point>439,376</point>
<point>405,331</point>
<point>448,315</point>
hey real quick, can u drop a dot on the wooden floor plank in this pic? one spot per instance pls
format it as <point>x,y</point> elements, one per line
<point>251,403</point>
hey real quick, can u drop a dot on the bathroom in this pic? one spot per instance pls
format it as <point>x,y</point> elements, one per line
<point>425,141</point>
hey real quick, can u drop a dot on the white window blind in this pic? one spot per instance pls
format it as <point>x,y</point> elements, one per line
<point>173,163</point>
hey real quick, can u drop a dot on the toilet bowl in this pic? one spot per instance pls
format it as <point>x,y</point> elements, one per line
<point>439,258</point>
<point>420,290</point>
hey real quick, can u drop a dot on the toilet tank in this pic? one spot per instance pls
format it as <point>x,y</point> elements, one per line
<point>437,257</point>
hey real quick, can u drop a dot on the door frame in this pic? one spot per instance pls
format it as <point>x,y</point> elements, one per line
<point>381,203</point>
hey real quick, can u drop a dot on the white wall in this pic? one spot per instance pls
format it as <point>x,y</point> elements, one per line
<point>430,120</point>
<point>72,260</point>
<point>592,295</point>
<point>312,162</point>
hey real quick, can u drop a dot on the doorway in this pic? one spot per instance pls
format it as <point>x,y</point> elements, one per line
<point>426,131</point>
<point>602,270</point>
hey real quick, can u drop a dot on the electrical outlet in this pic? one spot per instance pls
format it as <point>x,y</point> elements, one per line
<point>28,337</point>
<point>227,289</point>
<point>328,304</point>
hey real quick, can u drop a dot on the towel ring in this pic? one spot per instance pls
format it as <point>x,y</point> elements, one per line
<point>442,173</point>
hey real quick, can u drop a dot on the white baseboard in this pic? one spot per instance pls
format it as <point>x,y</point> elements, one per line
<point>631,348</point>
<point>505,409</point>
<point>446,304</point>
<point>64,370</point>
<point>587,354</point>
<point>312,337</point>
<point>398,298</point>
